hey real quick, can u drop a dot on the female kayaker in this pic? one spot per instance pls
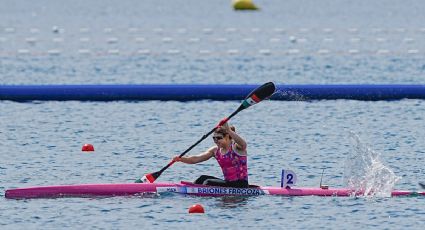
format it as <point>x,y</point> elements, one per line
<point>230,153</point>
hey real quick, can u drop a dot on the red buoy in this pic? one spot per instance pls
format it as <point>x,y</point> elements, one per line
<point>196,208</point>
<point>88,148</point>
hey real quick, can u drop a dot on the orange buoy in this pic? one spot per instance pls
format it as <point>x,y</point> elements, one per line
<point>88,148</point>
<point>196,208</point>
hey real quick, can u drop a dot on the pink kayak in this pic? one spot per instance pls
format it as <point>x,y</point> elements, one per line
<point>128,189</point>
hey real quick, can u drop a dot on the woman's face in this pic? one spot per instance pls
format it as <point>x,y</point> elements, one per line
<point>219,138</point>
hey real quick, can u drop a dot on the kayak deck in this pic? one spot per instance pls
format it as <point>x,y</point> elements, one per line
<point>129,189</point>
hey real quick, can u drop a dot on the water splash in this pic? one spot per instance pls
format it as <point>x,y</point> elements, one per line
<point>291,95</point>
<point>364,171</point>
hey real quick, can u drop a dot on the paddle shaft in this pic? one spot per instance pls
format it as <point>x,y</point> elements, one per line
<point>264,91</point>
<point>200,140</point>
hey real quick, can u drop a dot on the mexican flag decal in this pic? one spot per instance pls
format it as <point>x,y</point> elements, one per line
<point>251,101</point>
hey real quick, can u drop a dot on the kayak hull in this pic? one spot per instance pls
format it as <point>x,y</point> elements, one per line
<point>130,189</point>
<point>84,190</point>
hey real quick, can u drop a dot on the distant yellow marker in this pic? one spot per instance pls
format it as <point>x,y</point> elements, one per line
<point>244,5</point>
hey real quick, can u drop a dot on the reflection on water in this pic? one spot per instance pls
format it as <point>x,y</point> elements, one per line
<point>233,201</point>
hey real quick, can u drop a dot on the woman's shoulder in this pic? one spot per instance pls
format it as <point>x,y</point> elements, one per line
<point>212,149</point>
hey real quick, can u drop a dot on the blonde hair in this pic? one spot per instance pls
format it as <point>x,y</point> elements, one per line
<point>223,132</point>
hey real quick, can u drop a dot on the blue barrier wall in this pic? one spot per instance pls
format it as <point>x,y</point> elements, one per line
<point>189,92</point>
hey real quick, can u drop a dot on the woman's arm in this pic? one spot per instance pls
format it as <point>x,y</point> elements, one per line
<point>240,142</point>
<point>197,158</point>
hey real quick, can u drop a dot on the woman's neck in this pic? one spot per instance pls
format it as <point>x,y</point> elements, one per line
<point>226,148</point>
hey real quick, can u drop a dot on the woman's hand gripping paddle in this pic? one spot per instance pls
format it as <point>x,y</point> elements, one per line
<point>263,92</point>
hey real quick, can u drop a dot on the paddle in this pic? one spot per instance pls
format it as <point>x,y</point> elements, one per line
<point>257,95</point>
<point>422,184</point>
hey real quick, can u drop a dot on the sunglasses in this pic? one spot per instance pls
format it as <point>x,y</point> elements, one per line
<point>217,138</point>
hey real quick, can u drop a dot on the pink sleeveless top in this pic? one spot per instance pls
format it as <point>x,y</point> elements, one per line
<point>233,165</point>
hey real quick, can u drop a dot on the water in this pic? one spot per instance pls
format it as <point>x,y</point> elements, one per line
<point>131,139</point>
<point>365,172</point>
<point>40,142</point>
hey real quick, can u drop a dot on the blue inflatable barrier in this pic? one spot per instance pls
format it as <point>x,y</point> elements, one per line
<point>189,92</point>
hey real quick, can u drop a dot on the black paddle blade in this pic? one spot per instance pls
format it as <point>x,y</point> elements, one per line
<point>263,92</point>
<point>422,184</point>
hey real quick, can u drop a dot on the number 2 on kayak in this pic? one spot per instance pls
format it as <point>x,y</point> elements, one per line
<point>289,178</point>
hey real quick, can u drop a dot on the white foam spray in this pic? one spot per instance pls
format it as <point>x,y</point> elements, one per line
<point>291,95</point>
<point>364,171</point>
